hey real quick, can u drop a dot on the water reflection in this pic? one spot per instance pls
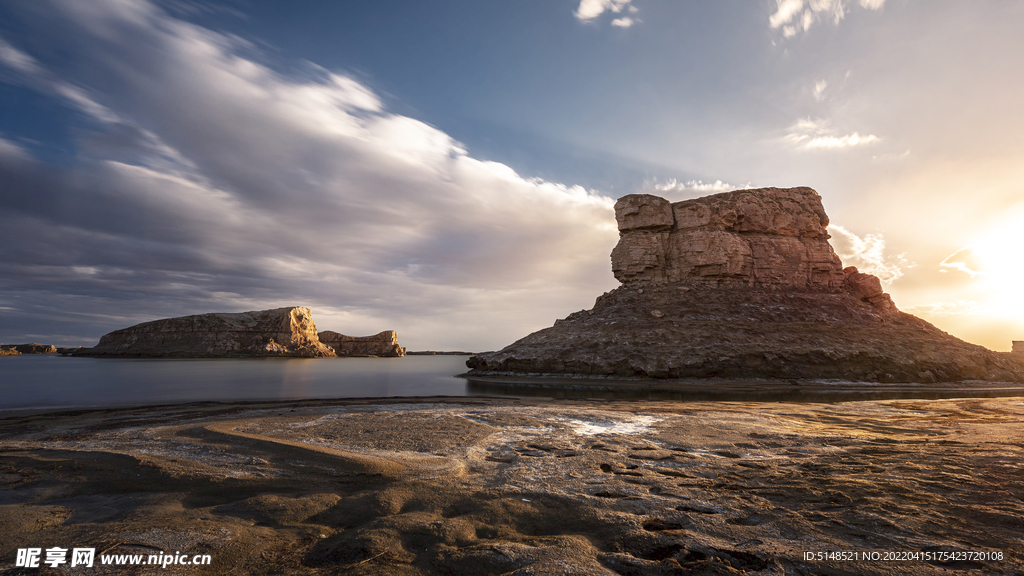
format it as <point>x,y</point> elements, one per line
<point>768,391</point>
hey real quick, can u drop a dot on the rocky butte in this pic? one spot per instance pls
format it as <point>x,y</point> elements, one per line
<point>282,332</point>
<point>742,284</point>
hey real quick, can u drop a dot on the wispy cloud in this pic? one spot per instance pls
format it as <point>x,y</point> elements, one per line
<point>965,260</point>
<point>588,10</point>
<point>819,89</point>
<point>794,16</point>
<point>809,134</point>
<point>867,253</point>
<point>676,189</point>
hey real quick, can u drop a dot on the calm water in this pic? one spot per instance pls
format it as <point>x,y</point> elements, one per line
<point>50,381</point>
<point>37,380</point>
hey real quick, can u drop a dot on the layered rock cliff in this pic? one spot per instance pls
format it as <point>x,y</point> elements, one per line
<point>742,284</point>
<point>384,344</point>
<point>283,332</point>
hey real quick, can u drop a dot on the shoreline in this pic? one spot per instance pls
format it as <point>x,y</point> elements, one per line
<point>487,485</point>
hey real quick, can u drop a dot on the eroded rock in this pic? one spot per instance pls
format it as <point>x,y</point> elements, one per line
<point>282,332</point>
<point>385,344</point>
<point>768,237</point>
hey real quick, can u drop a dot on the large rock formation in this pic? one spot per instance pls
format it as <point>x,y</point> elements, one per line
<point>742,284</point>
<point>9,352</point>
<point>384,344</point>
<point>281,332</point>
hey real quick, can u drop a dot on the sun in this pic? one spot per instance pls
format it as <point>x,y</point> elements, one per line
<point>996,266</point>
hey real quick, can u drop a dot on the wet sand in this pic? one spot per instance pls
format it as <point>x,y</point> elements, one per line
<point>504,486</point>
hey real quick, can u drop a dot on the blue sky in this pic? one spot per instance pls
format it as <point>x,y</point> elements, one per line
<point>447,169</point>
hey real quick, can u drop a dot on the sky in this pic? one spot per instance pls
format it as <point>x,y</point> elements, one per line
<point>448,169</point>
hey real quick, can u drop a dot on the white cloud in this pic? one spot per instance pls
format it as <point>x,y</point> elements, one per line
<point>786,11</point>
<point>846,141</point>
<point>809,134</point>
<point>795,15</point>
<point>819,89</point>
<point>964,260</point>
<point>624,22</point>
<point>675,190</point>
<point>867,253</point>
<point>590,9</point>
<point>251,188</point>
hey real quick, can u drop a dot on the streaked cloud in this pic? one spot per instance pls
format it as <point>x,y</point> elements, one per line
<point>227,185</point>
<point>794,16</point>
<point>12,151</point>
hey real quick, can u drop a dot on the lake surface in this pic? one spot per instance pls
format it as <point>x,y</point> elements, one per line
<point>50,381</point>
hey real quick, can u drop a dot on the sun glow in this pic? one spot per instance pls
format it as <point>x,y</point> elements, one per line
<point>996,266</point>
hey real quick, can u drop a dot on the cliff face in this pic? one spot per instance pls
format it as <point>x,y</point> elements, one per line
<point>282,332</point>
<point>742,285</point>
<point>770,238</point>
<point>384,344</point>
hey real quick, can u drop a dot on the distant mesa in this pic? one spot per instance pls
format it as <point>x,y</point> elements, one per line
<point>282,332</point>
<point>384,344</point>
<point>29,348</point>
<point>9,352</point>
<point>742,284</point>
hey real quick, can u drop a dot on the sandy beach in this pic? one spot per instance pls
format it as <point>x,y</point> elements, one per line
<point>506,486</point>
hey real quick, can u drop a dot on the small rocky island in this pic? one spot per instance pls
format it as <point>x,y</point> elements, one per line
<point>282,332</point>
<point>33,348</point>
<point>742,284</point>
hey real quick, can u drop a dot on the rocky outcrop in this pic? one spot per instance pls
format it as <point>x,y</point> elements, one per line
<point>765,238</point>
<point>9,352</point>
<point>384,344</point>
<point>32,348</point>
<point>742,285</point>
<point>283,332</point>
<point>70,351</point>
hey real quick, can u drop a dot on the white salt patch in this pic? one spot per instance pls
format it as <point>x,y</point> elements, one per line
<point>635,425</point>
